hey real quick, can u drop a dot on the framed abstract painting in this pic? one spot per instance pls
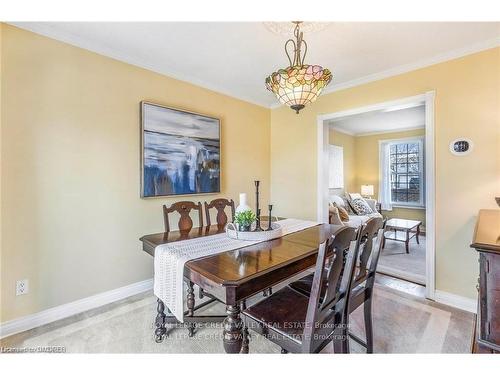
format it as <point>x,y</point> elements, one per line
<point>180,152</point>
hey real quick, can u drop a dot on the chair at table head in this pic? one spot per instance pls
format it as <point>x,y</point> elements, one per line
<point>330,288</point>
<point>184,209</point>
<point>219,204</point>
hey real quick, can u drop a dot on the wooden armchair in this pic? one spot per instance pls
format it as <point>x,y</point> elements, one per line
<point>306,324</point>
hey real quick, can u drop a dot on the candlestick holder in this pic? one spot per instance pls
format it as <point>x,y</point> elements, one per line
<point>270,226</point>
<point>258,228</point>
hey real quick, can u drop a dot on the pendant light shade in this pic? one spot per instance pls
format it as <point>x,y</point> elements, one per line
<point>299,84</point>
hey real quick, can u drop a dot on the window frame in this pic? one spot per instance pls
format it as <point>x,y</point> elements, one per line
<point>421,167</point>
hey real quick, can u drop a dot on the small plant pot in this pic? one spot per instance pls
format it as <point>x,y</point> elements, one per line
<point>245,228</point>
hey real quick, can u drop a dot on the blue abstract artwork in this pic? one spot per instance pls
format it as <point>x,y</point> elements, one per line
<point>180,152</point>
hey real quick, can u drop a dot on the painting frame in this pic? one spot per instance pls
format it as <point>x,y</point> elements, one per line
<point>142,106</point>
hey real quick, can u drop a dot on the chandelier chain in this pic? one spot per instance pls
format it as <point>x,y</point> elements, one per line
<point>297,47</point>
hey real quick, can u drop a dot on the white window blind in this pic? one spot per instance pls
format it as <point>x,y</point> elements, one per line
<point>336,163</point>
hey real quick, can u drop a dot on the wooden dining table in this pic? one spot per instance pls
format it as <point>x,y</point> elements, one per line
<point>232,277</point>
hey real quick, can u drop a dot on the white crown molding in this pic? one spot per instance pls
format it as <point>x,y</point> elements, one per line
<point>114,53</point>
<point>455,54</point>
<point>451,55</point>
<point>48,31</point>
<point>343,131</point>
<point>390,131</point>
<point>454,300</point>
<point>366,134</point>
<point>25,323</point>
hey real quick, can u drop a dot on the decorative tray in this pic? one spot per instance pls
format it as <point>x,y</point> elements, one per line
<point>264,235</point>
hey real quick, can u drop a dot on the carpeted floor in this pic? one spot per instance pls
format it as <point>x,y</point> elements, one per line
<point>395,262</point>
<point>402,324</point>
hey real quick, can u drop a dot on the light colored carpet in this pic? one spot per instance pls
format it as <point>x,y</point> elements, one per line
<point>395,262</point>
<point>402,324</point>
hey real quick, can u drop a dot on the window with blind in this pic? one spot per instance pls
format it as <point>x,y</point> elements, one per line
<point>407,172</point>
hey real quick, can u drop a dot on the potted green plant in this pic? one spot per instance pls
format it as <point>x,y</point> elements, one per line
<point>244,219</point>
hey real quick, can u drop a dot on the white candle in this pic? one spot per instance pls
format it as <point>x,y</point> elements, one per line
<point>243,199</point>
<point>243,206</point>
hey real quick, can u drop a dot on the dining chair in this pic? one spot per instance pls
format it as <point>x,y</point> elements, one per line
<point>185,224</point>
<point>364,278</point>
<point>183,208</point>
<point>306,324</point>
<point>370,238</point>
<point>220,205</point>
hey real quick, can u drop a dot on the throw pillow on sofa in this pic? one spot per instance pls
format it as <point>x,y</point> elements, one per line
<point>344,216</point>
<point>348,206</point>
<point>360,207</point>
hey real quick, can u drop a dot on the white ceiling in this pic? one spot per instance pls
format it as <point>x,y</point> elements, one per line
<point>381,121</point>
<point>235,58</point>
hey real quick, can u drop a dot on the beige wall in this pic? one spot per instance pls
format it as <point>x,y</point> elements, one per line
<point>467,105</point>
<point>348,143</point>
<point>70,178</point>
<point>1,75</point>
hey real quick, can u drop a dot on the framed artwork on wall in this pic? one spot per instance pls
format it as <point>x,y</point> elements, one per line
<point>180,152</point>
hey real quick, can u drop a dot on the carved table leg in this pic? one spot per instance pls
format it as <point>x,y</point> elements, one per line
<point>245,342</point>
<point>160,330</point>
<point>190,306</point>
<point>418,233</point>
<point>233,334</point>
<point>246,335</point>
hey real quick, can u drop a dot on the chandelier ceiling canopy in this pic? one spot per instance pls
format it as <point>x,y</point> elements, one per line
<point>298,84</point>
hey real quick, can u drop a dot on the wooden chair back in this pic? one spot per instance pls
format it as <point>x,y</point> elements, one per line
<point>184,209</point>
<point>220,205</point>
<point>367,252</point>
<point>324,313</point>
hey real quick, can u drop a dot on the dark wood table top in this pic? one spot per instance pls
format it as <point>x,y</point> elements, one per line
<point>487,231</point>
<point>237,267</point>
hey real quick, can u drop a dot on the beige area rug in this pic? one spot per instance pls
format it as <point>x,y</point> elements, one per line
<point>402,324</point>
<point>395,262</point>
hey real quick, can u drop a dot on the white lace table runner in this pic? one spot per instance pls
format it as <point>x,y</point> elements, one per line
<point>170,258</point>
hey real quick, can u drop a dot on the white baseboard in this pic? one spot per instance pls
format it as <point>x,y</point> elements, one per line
<point>24,323</point>
<point>459,302</point>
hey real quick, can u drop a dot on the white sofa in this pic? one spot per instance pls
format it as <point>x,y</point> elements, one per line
<point>354,220</point>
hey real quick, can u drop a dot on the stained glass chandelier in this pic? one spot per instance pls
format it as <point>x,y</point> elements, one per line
<point>298,84</point>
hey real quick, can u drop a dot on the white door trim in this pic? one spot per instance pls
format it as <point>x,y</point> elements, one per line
<point>430,197</point>
<point>322,168</point>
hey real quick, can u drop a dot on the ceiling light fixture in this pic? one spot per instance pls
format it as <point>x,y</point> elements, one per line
<point>298,84</point>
